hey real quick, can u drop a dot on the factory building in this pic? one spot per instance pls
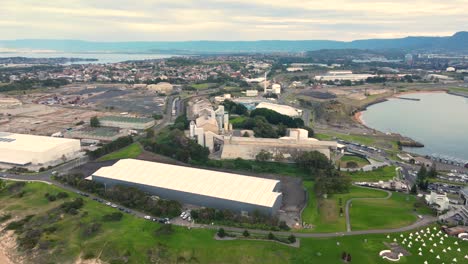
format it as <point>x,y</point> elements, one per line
<point>200,187</point>
<point>25,150</point>
<point>206,122</point>
<point>287,147</point>
<point>140,123</point>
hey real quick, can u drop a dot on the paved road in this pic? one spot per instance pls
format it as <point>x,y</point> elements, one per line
<point>348,203</point>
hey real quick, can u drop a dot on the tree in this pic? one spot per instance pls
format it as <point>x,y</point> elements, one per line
<point>221,233</point>
<point>246,233</point>
<point>432,173</point>
<point>271,236</point>
<point>421,180</point>
<point>414,189</point>
<point>94,122</point>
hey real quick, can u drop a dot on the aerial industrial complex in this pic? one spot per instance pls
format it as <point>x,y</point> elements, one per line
<point>195,186</point>
<point>30,150</point>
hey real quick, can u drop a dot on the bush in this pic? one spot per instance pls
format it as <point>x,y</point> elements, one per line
<point>62,195</point>
<point>221,233</point>
<point>18,225</point>
<point>116,216</point>
<point>292,239</point>
<point>91,229</point>
<point>351,164</point>
<point>246,233</point>
<point>271,236</point>
<point>5,217</point>
<point>73,206</point>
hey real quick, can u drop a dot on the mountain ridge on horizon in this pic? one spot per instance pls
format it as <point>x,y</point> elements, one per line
<point>457,42</point>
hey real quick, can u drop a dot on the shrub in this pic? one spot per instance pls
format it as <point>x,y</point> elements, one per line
<point>5,217</point>
<point>18,225</point>
<point>271,236</point>
<point>292,239</point>
<point>246,233</point>
<point>117,216</point>
<point>221,233</point>
<point>62,195</point>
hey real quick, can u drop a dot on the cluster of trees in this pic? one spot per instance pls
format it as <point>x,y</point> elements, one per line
<point>227,217</point>
<point>234,108</point>
<point>173,143</point>
<point>422,181</point>
<point>60,195</point>
<point>267,123</point>
<point>328,179</point>
<point>32,84</point>
<point>73,206</point>
<point>130,197</point>
<point>111,147</point>
<point>276,118</point>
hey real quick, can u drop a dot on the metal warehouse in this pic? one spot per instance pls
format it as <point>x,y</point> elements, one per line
<point>21,150</point>
<point>195,186</point>
<point>127,122</point>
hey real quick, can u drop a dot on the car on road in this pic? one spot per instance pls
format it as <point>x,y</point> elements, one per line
<point>147,217</point>
<point>108,204</point>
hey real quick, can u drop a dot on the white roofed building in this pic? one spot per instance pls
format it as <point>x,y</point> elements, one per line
<point>206,188</point>
<point>23,150</point>
<point>282,109</point>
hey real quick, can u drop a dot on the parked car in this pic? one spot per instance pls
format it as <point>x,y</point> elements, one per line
<point>147,217</point>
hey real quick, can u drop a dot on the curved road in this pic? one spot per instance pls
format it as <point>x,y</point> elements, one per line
<point>348,202</point>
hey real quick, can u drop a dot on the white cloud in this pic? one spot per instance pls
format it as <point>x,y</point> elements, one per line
<point>122,20</point>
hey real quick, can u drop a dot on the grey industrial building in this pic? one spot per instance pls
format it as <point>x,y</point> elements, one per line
<point>200,187</point>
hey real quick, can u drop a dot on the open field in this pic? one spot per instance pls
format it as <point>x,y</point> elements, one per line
<point>202,86</point>
<point>134,240</point>
<point>381,174</point>
<point>130,152</point>
<point>237,120</point>
<point>361,162</point>
<point>380,214</point>
<point>324,214</point>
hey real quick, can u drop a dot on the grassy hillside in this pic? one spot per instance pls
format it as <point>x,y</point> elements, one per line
<point>134,240</point>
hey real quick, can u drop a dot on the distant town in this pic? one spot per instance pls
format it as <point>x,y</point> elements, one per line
<point>268,147</point>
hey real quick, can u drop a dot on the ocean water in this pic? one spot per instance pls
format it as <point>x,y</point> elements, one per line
<point>102,57</point>
<point>438,120</point>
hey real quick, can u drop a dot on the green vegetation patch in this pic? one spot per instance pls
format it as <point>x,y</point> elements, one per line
<point>397,211</point>
<point>202,86</point>
<point>327,214</point>
<point>135,240</point>
<point>129,152</point>
<point>350,161</point>
<point>380,174</point>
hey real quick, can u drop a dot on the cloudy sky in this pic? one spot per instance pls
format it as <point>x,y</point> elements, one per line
<point>175,20</point>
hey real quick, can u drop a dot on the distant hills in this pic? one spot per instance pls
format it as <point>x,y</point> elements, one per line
<point>456,43</point>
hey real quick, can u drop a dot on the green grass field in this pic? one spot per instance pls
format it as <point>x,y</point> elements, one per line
<point>380,174</point>
<point>364,139</point>
<point>202,86</point>
<point>361,162</point>
<point>133,240</point>
<point>129,152</point>
<point>324,214</point>
<point>380,214</point>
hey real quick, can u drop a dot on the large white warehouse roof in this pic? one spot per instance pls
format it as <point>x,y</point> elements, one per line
<point>23,149</point>
<point>282,109</point>
<point>228,186</point>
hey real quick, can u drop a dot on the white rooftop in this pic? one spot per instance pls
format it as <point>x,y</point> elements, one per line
<point>229,186</point>
<point>31,143</point>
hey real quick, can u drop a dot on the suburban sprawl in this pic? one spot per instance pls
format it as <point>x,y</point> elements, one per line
<point>227,158</point>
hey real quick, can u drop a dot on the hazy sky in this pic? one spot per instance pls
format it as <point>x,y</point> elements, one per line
<point>125,20</point>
